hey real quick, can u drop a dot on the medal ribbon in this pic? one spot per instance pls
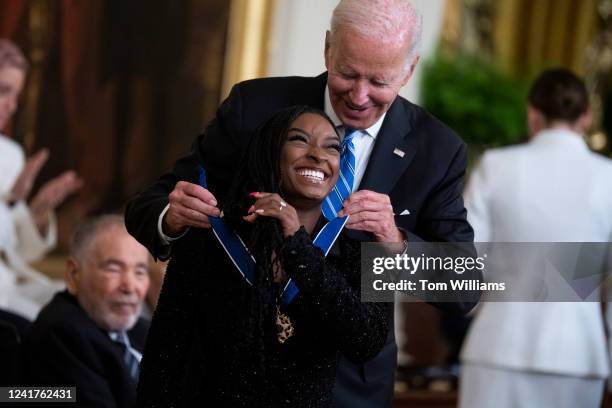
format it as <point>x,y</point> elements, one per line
<point>244,261</point>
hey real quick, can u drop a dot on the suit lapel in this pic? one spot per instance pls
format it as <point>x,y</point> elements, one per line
<point>386,165</point>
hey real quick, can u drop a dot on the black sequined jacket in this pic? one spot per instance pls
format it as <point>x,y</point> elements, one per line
<point>193,356</point>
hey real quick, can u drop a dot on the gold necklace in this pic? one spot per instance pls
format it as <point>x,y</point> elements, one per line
<point>284,327</point>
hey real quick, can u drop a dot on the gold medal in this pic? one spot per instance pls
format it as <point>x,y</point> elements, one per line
<point>283,326</point>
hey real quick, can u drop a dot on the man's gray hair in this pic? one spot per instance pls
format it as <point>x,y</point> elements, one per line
<point>84,236</point>
<point>389,21</point>
<point>11,56</point>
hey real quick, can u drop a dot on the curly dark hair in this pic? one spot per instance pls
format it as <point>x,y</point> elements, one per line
<point>260,171</point>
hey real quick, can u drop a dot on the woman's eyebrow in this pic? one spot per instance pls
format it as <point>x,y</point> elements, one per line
<point>299,130</point>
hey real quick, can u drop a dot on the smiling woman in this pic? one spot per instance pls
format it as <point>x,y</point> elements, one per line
<point>310,159</point>
<point>302,167</point>
<point>263,325</point>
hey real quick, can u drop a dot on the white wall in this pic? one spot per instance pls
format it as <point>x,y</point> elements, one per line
<point>298,34</point>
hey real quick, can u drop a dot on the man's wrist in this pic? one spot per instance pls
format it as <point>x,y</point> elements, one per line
<point>167,239</point>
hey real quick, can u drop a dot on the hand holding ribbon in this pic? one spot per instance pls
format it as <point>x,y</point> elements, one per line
<point>372,212</point>
<point>190,206</point>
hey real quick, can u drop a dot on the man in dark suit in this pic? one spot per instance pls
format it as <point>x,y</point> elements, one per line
<point>91,336</point>
<point>409,167</point>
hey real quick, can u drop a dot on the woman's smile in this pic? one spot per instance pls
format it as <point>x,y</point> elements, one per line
<point>311,175</point>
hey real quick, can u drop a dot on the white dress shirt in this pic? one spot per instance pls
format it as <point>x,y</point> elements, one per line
<point>363,140</point>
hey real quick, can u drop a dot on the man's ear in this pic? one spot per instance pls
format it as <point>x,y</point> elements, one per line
<point>72,276</point>
<point>411,69</point>
<point>327,49</point>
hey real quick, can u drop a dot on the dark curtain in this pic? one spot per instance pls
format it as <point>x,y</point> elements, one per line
<point>118,89</point>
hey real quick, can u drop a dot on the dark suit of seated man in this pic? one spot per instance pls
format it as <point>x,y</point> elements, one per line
<point>90,336</point>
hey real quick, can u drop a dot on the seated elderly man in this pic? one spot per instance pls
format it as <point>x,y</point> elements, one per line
<point>91,336</point>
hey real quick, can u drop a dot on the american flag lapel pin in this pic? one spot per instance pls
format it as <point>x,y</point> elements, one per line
<point>399,152</point>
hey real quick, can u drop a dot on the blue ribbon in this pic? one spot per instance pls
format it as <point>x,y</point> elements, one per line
<point>244,261</point>
<point>231,242</point>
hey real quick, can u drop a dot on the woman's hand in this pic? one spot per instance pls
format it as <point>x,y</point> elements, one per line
<point>52,194</point>
<point>23,185</point>
<point>272,205</point>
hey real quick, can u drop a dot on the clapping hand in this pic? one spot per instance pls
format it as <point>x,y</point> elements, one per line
<point>51,195</point>
<point>23,185</point>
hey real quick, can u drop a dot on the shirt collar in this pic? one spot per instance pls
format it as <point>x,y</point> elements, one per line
<point>329,110</point>
<point>560,136</point>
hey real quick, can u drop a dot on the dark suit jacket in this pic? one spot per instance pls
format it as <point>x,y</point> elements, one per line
<point>427,181</point>
<point>65,348</point>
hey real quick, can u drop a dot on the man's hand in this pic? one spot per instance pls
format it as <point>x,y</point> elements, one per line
<point>51,195</point>
<point>190,206</point>
<point>372,212</point>
<point>23,185</point>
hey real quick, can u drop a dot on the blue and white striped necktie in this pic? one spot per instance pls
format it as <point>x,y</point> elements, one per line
<point>131,356</point>
<point>344,185</point>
